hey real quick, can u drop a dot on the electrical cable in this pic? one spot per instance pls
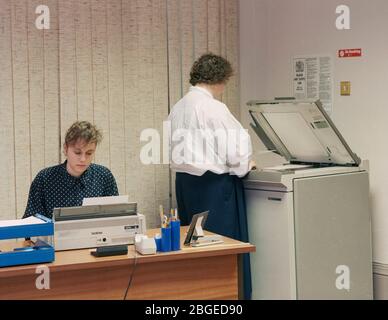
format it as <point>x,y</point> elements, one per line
<point>131,276</point>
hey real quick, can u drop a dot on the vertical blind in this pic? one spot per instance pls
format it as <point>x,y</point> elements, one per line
<point>120,64</point>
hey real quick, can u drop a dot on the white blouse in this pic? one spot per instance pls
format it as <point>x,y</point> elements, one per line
<point>205,136</point>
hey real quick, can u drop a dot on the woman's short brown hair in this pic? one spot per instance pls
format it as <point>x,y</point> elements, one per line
<point>210,69</point>
<point>83,130</point>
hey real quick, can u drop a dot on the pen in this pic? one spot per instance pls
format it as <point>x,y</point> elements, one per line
<point>161,215</point>
<point>166,222</point>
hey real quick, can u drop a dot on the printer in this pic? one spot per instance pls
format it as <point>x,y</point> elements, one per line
<point>309,218</point>
<point>97,225</point>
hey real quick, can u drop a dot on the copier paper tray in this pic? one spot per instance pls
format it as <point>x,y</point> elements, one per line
<point>11,233</point>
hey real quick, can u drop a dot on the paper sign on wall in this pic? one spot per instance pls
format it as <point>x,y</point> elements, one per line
<point>348,53</point>
<point>313,79</point>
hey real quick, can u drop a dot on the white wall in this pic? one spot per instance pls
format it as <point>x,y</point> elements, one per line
<point>273,31</point>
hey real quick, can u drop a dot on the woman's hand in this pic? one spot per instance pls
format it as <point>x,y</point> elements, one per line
<point>252,165</point>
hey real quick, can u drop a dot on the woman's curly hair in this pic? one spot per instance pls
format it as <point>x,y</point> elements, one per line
<point>210,69</point>
<point>83,130</point>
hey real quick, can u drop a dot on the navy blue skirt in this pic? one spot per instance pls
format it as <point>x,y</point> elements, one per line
<point>223,195</point>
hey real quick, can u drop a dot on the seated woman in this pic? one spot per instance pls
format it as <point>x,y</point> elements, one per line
<point>67,184</point>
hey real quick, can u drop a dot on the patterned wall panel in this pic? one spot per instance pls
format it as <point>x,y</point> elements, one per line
<point>21,101</point>
<point>7,143</point>
<point>51,97</point>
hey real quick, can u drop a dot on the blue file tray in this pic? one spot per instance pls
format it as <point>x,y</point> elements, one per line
<point>39,253</point>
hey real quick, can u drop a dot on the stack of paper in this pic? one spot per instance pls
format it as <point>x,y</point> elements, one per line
<point>21,222</point>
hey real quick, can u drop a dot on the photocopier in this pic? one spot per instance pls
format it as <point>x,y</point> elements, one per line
<point>310,217</point>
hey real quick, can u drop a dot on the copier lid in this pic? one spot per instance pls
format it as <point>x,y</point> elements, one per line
<point>300,131</point>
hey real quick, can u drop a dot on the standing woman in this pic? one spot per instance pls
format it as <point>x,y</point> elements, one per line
<point>210,153</point>
<point>67,184</point>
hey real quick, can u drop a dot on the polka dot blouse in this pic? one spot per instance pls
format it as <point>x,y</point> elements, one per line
<point>54,187</point>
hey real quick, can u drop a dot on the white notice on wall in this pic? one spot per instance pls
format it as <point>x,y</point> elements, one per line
<point>313,79</point>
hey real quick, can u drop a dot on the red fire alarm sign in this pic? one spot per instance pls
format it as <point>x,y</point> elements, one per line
<point>347,53</point>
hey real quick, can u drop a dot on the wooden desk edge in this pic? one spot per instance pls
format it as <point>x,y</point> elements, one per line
<point>223,249</point>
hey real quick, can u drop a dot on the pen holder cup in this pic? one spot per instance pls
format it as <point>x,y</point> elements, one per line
<point>165,245</point>
<point>158,241</point>
<point>175,235</point>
